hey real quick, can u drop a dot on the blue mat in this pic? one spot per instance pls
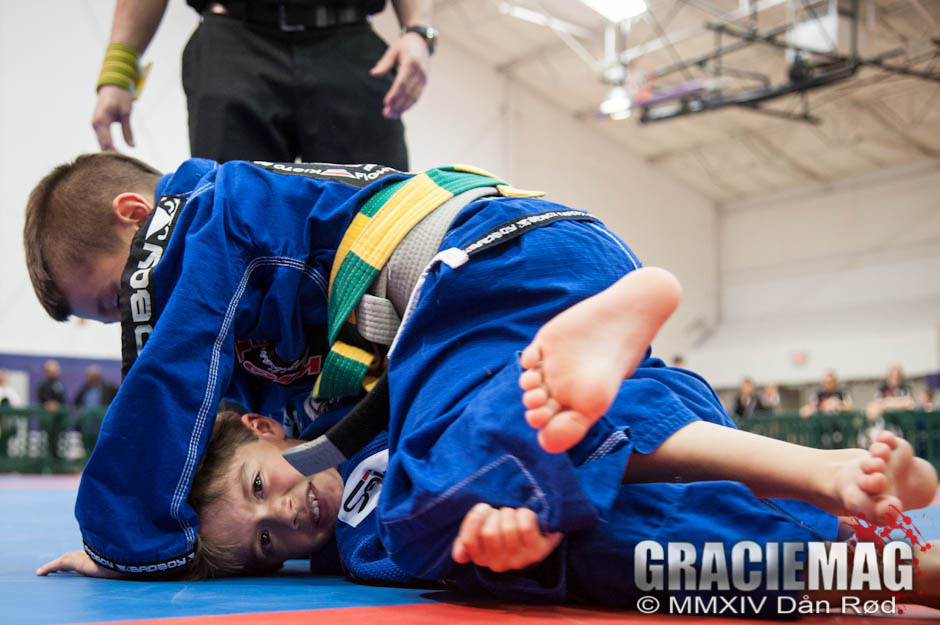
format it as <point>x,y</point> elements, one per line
<point>37,525</point>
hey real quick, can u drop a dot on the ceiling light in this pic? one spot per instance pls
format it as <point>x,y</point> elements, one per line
<point>617,10</point>
<point>617,104</point>
<point>523,13</point>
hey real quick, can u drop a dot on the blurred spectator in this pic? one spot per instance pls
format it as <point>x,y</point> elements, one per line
<point>678,361</point>
<point>95,392</point>
<point>747,402</point>
<point>51,389</point>
<point>829,399</point>
<point>925,400</point>
<point>770,398</point>
<point>893,394</point>
<point>9,398</point>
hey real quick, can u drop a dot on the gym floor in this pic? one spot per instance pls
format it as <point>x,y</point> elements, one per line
<point>37,525</point>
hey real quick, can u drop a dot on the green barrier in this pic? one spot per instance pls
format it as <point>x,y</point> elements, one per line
<point>850,429</point>
<point>33,440</point>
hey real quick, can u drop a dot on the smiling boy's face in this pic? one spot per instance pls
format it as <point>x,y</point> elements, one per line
<point>271,513</point>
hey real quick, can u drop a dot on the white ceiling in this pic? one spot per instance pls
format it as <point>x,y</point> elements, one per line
<point>872,120</point>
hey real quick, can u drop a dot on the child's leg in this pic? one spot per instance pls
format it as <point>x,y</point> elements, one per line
<point>576,362</point>
<point>877,483</point>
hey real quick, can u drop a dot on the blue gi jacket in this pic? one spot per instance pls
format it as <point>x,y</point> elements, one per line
<point>224,295</point>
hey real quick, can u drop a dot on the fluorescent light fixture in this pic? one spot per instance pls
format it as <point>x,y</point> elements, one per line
<point>528,15</point>
<point>617,105</point>
<point>617,10</point>
<point>523,13</point>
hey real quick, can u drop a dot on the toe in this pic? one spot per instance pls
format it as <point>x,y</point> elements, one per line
<point>873,484</point>
<point>564,431</point>
<point>531,357</point>
<point>854,501</point>
<point>530,379</point>
<point>880,450</point>
<point>873,465</point>
<point>536,398</point>
<point>887,509</point>
<point>539,417</point>
<point>888,438</point>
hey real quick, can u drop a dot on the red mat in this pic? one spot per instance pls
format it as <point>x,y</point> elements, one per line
<point>505,614</point>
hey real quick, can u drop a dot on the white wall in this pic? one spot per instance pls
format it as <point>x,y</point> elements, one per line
<point>468,113</point>
<point>848,273</point>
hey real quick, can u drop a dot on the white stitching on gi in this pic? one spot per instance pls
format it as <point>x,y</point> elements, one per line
<point>183,485</point>
<point>604,448</point>
<point>626,250</point>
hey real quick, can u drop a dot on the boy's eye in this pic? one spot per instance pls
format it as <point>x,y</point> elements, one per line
<point>256,485</point>
<point>265,541</point>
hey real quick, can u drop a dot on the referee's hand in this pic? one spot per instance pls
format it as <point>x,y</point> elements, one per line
<point>113,105</point>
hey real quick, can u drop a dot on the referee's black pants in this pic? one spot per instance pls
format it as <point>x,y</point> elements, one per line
<point>254,93</point>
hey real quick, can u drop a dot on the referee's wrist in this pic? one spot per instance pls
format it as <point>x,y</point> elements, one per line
<point>119,67</point>
<point>428,33</point>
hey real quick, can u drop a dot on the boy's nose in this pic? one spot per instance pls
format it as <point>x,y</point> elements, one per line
<point>287,512</point>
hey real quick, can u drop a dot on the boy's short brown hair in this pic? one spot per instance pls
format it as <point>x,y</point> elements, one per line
<point>69,217</point>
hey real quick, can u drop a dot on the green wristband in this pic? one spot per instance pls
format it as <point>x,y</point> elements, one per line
<point>120,67</point>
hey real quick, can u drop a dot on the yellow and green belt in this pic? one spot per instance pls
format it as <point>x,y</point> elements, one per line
<point>353,363</point>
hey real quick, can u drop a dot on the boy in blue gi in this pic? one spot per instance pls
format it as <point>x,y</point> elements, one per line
<point>258,511</point>
<point>224,295</point>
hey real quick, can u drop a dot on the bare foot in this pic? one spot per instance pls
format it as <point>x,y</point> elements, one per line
<point>575,364</point>
<point>884,481</point>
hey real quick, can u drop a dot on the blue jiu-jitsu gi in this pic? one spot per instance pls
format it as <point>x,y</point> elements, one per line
<point>224,296</point>
<point>457,434</point>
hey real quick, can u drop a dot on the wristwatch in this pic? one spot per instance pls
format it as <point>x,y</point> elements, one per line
<point>428,32</point>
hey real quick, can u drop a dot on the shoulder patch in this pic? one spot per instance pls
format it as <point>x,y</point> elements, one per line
<point>361,494</point>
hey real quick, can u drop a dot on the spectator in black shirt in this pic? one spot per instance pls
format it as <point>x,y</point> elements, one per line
<point>829,398</point>
<point>51,389</point>
<point>95,392</point>
<point>892,394</point>
<point>747,402</point>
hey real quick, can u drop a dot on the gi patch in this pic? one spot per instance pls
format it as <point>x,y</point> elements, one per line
<point>361,494</point>
<point>260,358</point>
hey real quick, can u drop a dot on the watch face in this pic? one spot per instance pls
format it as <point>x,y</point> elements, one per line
<point>428,32</point>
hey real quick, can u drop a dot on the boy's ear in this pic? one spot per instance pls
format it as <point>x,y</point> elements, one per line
<point>131,208</point>
<point>264,427</point>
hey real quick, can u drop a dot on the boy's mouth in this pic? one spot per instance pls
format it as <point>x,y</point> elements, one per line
<point>313,504</point>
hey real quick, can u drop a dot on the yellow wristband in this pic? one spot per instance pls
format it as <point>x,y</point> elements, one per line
<point>120,68</point>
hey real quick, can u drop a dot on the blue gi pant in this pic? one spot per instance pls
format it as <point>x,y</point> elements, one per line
<point>458,434</point>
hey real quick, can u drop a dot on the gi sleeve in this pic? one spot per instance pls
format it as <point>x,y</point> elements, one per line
<point>180,320</point>
<point>485,451</point>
